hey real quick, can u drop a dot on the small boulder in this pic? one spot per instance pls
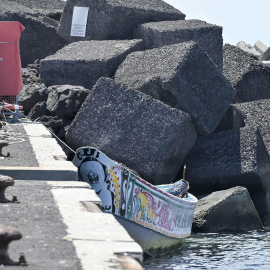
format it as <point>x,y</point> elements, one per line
<point>64,101</point>
<point>229,210</point>
<point>132,128</point>
<point>159,34</point>
<point>31,95</point>
<point>173,75</point>
<point>83,63</point>
<point>38,110</point>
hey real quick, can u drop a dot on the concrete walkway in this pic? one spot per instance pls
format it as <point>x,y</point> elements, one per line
<point>61,224</point>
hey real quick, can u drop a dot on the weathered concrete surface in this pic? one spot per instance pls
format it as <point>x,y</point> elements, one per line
<point>83,63</point>
<point>39,38</point>
<point>174,75</point>
<point>134,129</point>
<point>255,115</point>
<point>249,77</point>
<point>98,238</point>
<point>31,95</point>
<point>44,242</point>
<point>224,160</point>
<point>59,232</point>
<point>115,19</point>
<point>208,36</point>
<point>229,210</point>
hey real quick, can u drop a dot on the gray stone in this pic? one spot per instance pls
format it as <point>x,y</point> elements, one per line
<point>39,39</point>
<point>83,63</point>
<point>229,210</point>
<point>64,101</point>
<point>227,159</point>
<point>115,19</point>
<point>248,48</point>
<point>31,95</point>
<point>255,115</point>
<point>38,110</point>
<point>208,36</point>
<point>263,49</point>
<point>249,77</point>
<point>174,75</point>
<point>134,129</point>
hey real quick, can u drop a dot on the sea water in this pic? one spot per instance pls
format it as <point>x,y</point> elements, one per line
<point>246,251</point>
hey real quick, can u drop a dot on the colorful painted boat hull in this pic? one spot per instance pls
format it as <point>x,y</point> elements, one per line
<point>157,220</point>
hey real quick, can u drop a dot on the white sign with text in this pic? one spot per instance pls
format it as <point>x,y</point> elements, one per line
<point>79,21</point>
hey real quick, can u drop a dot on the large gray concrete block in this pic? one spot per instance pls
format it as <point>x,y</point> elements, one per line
<point>182,76</point>
<point>208,36</point>
<point>226,159</point>
<point>249,77</point>
<point>230,210</point>
<point>253,114</point>
<point>263,49</point>
<point>134,129</point>
<point>115,19</point>
<point>84,62</point>
<point>39,39</point>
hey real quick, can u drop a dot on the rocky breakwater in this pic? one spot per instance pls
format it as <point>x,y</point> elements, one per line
<point>171,97</point>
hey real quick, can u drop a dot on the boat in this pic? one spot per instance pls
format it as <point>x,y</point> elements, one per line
<point>157,220</point>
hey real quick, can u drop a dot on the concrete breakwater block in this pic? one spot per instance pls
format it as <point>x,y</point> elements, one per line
<point>229,210</point>
<point>134,129</point>
<point>226,159</point>
<point>39,39</point>
<point>115,19</point>
<point>263,49</point>
<point>174,75</point>
<point>251,115</point>
<point>83,63</point>
<point>249,77</point>
<point>208,36</point>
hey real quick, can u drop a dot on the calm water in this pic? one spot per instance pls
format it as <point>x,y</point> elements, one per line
<point>218,251</point>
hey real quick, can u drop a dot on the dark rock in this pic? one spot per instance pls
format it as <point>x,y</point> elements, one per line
<point>249,76</point>
<point>224,160</point>
<point>251,115</point>
<point>31,95</point>
<point>208,36</point>
<point>134,129</point>
<point>31,74</point>
<point>38,110</point>
<point>64,101</point>
<point>39,38</point>
<point>83,63</point>
<point>229,210</point>
<point>174,75</point>
<point>115,19</point>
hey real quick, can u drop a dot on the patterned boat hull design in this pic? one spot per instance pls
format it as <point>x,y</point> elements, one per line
<point>129,197</point>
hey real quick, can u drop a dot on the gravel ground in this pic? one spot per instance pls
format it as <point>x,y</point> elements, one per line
<point>20,149</point>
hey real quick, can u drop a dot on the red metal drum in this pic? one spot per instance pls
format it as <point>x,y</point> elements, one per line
<point>11,82</point>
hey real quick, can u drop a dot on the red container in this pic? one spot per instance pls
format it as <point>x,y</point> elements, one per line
<point>11,82</point>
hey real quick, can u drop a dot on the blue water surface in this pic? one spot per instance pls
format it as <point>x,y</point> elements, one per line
<point>248,251</point>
